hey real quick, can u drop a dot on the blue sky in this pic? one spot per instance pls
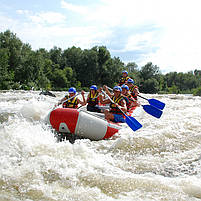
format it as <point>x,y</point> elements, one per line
<point>164,32</point>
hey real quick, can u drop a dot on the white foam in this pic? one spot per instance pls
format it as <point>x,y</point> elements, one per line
<point>159,161</point>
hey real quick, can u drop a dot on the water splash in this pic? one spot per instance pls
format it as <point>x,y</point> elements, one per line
<point>161,161</point>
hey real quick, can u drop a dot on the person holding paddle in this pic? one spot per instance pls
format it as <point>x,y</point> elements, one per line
<point>93,100</point>
<point>124,77</point>
<point>117,105</point>
<point>71,100</point>
<point>130,101</point>
<point>132,88</point>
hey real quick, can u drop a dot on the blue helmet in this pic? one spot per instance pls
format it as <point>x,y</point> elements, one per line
<point>124,71</point>
<point>117,88</point>
<point>124,86</point>
<point>72,90</point>
<point>93,87</point>
<point>130,81</point>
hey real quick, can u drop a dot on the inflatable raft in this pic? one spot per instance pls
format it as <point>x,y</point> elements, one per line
<point>81,123</point>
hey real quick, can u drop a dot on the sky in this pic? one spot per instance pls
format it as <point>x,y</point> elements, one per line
<point>164,32</point>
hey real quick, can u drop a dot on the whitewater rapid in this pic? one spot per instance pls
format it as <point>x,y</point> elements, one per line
<point>161,161</point>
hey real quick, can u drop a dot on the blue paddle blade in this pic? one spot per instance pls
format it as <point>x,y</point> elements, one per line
<point>133,123</point>
<point>156,103</point>
<point>152,110</point>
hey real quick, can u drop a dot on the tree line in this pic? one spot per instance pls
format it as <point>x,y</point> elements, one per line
<point>57,69</point>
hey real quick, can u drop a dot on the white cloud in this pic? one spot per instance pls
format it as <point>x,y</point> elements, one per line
<point>178,38</point>
<point>48,17</point>
<point>23,12</point>
<point>74,8</point>
<point>140,41</point>
<point>167,33</point>
<point>7,23</point>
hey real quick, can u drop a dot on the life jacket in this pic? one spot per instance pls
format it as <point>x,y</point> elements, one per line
<point>93,99</point>
<point>72,103</point>
<point>123,80</point>
<point>132,90</point>
<point>129,100</point>
<point>113,108</point>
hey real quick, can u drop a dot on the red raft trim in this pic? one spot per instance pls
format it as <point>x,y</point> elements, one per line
<point>69,117</point>
<point>110,132</point>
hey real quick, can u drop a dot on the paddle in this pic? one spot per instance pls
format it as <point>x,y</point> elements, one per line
<point>131,121</point>
<point>156,103</point>
<point>150,109</point>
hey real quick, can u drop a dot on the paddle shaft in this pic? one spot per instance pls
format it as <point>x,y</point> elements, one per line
<point>66,100</point>
<point>125,96</point>
<point>70,98</point>
<point>110,88</point>
<point>114,103</point>
<point>156,103</point>
<point>131,121</point>
<point>143,97</point>
<point>149,108</point>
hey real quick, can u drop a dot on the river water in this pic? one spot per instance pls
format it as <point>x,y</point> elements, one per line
<point>161,161</point>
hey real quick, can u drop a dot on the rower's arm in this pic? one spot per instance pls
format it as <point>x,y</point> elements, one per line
<point>84,101</point>
<point>123,106</point>
<point>61,101</point>
<point>103,101</point>
<point>107,91</point>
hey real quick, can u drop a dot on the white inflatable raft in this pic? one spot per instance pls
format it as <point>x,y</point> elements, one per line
<point>81,123</point>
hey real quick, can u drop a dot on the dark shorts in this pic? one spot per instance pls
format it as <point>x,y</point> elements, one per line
<point>119,118</point>
<point>93,109</point>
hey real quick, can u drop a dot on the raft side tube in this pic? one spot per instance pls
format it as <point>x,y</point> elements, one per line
<point>82,124</point>
<point>90,126</point>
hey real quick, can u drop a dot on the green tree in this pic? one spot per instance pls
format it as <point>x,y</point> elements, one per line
<point>29,69</point>
<point>13,44</point>
<point>150,86</point>
<point>103,56</point>
<point>134,72</point>
<point>113,72</point>
<point>73,58</point>
<point>59,80</point>
<point>173,89</point>
<point>87,74</point>
<point>4,75</point>
<point>149,71</point>
<point>132,67</point>
<point>149,74</point>
<point>56,55</point>
<point>197,92</point>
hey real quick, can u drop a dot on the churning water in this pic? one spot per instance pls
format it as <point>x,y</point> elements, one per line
<point>161,161</point>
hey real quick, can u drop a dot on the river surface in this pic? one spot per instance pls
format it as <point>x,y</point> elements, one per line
<point>160,161</point>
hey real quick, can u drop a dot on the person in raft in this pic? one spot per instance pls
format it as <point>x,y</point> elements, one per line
<point>130,101</point>
<point>123,78</point>
<point>71,100</point>
<point>93,100</point>
<point>132,88</point>
<point>115,114</point>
